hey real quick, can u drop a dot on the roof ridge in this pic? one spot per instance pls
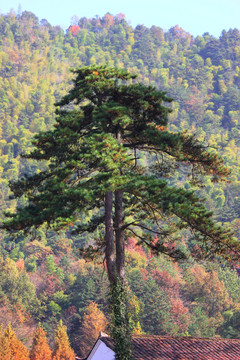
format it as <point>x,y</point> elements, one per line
<point>103,334</point>
<point>142,336</point>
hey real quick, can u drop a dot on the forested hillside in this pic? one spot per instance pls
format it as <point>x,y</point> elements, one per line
<point>44,276</point>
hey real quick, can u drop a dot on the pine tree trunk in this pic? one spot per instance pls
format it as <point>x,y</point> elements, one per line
<point>115,258</point>
<point>120,245</point>
<point>109,238</point>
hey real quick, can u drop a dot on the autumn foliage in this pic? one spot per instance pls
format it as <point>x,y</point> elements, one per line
<point>12,347</point>
<point>62,350</point>
<point>202,75</point>
<point>74,29</point>
<point>94,321</point>
<point>40,348</point>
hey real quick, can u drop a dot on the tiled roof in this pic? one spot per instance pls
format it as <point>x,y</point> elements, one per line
<point>181,348</point>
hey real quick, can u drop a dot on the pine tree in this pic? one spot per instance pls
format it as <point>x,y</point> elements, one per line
<point>40,349</point>
<point>62,350</point>
<point>103,127</point>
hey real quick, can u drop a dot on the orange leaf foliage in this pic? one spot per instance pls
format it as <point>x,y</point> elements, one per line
<point>74,29</point>
<point>94,321</point>
<point>13,346</point>
<point>40,349</point>
<point>62,346</point>
<point>20,264</point>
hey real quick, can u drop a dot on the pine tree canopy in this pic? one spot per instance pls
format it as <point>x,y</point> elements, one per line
<point>108,129</point>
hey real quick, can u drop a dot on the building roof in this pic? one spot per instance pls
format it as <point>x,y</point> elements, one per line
<point>150,347</point>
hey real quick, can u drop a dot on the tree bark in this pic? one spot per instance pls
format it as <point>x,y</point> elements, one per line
<point>119,235</point>
<point>109,238</point>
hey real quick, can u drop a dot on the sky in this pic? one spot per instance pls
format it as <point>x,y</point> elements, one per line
<point>196,17</point>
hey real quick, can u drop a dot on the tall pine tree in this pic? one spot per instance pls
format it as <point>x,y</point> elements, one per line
<point>106,133</point>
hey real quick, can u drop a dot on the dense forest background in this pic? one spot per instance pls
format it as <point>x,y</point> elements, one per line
<point>44,278</point>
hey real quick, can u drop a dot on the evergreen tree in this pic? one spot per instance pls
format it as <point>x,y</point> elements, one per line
<point>103,126</point>
<point>62,348</point>
<point>40,349</point>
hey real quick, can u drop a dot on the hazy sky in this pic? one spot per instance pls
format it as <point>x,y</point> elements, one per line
<point>195,17</point>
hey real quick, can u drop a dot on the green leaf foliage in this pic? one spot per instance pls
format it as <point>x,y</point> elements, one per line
<point>160,164</point>
<point>93,149</point>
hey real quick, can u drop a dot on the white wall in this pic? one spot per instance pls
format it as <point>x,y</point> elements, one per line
<point>101,352</point>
